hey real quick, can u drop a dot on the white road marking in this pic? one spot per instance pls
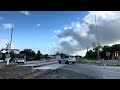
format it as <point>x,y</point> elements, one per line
<point>52,66</point>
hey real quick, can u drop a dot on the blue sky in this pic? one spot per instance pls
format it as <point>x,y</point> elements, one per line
<point>34,29</point>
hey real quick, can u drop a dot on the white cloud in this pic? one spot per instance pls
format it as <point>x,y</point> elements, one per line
<point>83,33</point>
<point>53,37</point>
<point>8,25</point>
<point>81,53</point>
<point>3,43</point>
<point>67,27</point>
<point>25,12</point>
<point>57,31</point>
<point>38,25</point>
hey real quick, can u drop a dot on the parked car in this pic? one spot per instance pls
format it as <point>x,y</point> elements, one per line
<point>20,61</point>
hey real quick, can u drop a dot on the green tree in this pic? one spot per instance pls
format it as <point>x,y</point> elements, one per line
<point>91,55</point>
<point>62,54</point>
<point>39,55</point>
<point>46,56</point>
<point>12,55</point>
<point>57,53</point>
<point>30,54</point>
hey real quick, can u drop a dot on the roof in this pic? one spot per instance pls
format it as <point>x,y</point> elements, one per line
<point>15,49</point>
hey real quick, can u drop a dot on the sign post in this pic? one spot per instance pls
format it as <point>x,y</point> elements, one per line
<point>116,55</point>
<point>8,54</point>
<point>108,54</point>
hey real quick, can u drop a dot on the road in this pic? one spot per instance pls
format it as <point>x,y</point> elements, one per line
<point>92,71</point>
<point>39,63</point>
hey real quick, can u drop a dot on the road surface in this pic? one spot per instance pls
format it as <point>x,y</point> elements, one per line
<point>38,64</point>
<point>94,71</point>
<point>91,71</point>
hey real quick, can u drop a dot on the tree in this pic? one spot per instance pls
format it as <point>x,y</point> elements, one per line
<point>62,54</point>
<point>30,54</point>
<point>39,55</point>
<point>91,55</point>
<point>12,55</point>
<point>46,56</point>
<point>57,53</point>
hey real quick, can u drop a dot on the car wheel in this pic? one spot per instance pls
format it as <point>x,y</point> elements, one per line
<point>73,62</point>
<point>59,62</point>
<point>67,62</point>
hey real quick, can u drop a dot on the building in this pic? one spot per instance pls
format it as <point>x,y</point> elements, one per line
<point>16,51</point>
<point>4,51</point>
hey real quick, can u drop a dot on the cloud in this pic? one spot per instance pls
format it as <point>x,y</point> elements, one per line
<point>80,34</point>
<point>67,27</point>
<point>57,31</point>
<point>3,43</point>
<point>8,25</point>
<point>38,25</point>
<point>25,12</point>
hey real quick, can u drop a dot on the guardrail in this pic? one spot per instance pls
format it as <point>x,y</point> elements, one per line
<point>108,62</point>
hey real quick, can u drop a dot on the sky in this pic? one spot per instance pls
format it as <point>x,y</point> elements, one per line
<point>34,29</point>
<point>69,32</point>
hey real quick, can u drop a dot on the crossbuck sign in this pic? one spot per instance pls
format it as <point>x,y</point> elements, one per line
<point>107,53</point>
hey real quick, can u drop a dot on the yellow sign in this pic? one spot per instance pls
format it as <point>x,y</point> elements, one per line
<point>116,54</point>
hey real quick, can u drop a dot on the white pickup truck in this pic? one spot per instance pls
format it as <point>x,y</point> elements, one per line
<point>66,59</point>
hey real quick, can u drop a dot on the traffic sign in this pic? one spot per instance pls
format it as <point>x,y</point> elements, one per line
<point>116,54</point>
<point>107,53</point>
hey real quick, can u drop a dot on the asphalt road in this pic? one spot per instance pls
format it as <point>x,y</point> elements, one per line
<point>38,64</point>
<point>91,71</point>
<point>94,71</point>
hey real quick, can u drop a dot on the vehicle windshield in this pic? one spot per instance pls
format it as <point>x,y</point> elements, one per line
<point>71,56</point>
<point>65,57</point>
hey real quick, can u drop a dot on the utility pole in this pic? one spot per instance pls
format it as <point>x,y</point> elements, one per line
<point>9,48</point>
<point>11,38</point>
<point>97,40</point>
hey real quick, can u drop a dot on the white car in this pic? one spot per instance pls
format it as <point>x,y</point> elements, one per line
<point>66,59</point>
<point>1,61</point>
<point>20,61</point>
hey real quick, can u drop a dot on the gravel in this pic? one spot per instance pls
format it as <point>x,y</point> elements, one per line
<point>13,71</point>
<point>62,74</point>
<point>20,72</point>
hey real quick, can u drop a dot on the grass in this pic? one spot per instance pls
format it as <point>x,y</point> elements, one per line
<point>90,62</point>
<point>114,64</point>
<point>86,61</point>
